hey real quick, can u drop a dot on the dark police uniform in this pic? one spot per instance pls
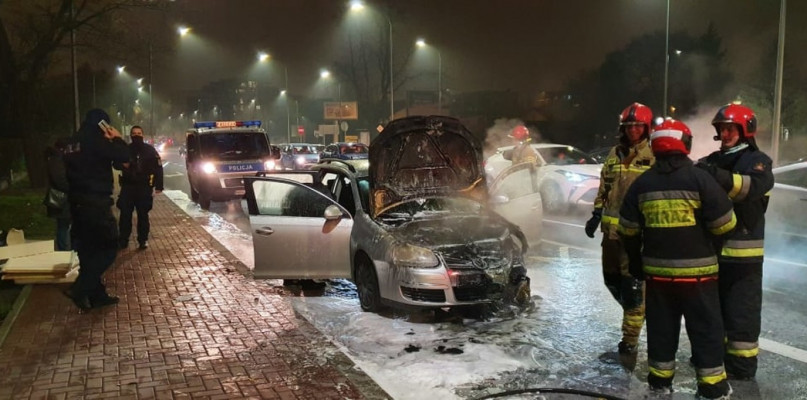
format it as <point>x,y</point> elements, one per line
<point>746,176</point>
<point>668,221</point>
<point>138,180</point>
<point>88,161</point>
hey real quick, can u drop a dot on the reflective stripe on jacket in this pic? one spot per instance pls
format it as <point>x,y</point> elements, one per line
<point>677,210</point>
<point>618,173</point>
<point>752,180</point>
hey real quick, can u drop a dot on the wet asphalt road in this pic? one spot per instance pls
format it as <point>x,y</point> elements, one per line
<point>578,313</point>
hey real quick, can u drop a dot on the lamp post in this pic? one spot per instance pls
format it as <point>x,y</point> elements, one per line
<point>357,5</point>
<point>265,57</point>
<point>325,74</point>
<point>777,101</point>
<point>422,43</point>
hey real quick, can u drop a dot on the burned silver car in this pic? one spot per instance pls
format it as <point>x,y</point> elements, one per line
<point>415,230</point>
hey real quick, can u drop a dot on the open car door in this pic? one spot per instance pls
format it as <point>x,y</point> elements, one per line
<point>516,196</point>
<point>298,230</point>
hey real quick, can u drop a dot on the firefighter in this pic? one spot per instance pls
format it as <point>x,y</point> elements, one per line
<point>626,161</point>
<point>745,173</point>
<point>669,221</point>
<point>523,151</point>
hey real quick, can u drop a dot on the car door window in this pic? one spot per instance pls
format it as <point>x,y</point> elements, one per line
<point>516,181</point>
<point>288,199</point>
<point>795,177</point>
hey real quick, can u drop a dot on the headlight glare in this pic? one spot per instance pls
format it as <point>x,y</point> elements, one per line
<point>208,168</point>
<point>269,165</point>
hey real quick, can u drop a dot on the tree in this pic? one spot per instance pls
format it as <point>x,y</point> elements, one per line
<point>364,70</point>
<point>33,39</point>
<point>636,73</point>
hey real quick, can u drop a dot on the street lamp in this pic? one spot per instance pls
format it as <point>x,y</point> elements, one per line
<point>357,5</point>
<point>326,75</point>
<point>264,57</point>
<point>183,30</point>
<point>422,43</point>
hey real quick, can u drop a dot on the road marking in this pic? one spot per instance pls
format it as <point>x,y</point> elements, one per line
<point>173,175</point>
<point>564,223</point>
<point>568,246</point>
<point>779,260</point>
<point>783,350</point>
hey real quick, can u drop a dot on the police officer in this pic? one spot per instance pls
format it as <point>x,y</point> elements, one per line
<point>627,160</point>
<point>88,159</point>
<point>140,180</point>
<point>523,151</point>
<point>745,173</point>
<point>669,220</point>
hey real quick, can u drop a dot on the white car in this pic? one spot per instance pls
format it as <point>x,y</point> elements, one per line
<point>785,221</point>
<point>567,176</point>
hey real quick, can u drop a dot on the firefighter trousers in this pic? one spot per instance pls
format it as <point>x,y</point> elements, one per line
<point>628,291</point>
<point>699,304</point>
<point>741,301</point>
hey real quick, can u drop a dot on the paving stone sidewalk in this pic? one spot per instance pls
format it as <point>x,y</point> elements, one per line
<point>190,324</point>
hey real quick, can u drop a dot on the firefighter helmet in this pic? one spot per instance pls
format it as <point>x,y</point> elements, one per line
<point>736,114</point>
<point>671,136</point>
<point>636,114</point>
<point>520,133</point>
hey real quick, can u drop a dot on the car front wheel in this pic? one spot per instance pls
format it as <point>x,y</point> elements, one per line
<point>367,285</point>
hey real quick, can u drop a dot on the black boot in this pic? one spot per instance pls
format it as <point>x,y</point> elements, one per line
<point>80,300</point>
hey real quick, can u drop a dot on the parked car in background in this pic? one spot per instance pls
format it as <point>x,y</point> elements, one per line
<point>298,155</point>
<point>600,154</point>
<point>786,221</point>
<point>567,175</point>
<point>356,153</point>
<point>414,230</point>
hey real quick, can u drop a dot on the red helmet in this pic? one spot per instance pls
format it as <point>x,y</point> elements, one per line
<point>736,114</point>
<point>671,136</point>
<point>636,114</point>
<point>520,133</point>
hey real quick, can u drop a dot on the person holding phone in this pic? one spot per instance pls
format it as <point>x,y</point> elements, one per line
<point>88,158</point>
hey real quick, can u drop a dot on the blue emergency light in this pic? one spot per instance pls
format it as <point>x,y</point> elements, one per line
<point>227,124</point>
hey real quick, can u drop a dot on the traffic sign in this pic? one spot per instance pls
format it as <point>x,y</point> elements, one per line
<point>300,130</point>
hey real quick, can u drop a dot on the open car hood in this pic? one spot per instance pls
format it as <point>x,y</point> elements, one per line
<point>424,156</point>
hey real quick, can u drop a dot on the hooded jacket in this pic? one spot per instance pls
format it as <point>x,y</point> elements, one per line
<point>89,156</point>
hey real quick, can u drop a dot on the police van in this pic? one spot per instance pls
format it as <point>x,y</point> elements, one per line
<point>220,154</point>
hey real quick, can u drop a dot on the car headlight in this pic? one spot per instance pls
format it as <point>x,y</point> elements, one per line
<point>414,256</point>
<point>208,168</point>
<point>269,165</point>
<point>574,176</point>
<point>300,160</point>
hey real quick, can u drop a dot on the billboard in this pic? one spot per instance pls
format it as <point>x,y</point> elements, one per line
<point>347,110</point>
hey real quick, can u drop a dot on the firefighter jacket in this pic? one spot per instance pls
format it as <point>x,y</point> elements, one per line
<point>749,188</point>
<point>669,220</point>
<point>145,168</point>
<point>524,153</point>
<point>619,170</point>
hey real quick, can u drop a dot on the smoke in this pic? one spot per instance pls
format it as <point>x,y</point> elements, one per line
<point>703,132</point>
<point>497,135</point>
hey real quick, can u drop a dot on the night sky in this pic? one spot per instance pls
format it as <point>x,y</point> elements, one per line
<point>506,44</point>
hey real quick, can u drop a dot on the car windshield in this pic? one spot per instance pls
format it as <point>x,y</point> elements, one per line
<point>234,145</point>
<point>565,155</point>
<point>429,208</point>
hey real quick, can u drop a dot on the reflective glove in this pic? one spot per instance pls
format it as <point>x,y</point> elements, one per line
<point>593,222</point>
<point>722,176</point>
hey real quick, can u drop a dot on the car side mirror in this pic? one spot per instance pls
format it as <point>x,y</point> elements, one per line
<point>332,213</point>
<point>508,155</point>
